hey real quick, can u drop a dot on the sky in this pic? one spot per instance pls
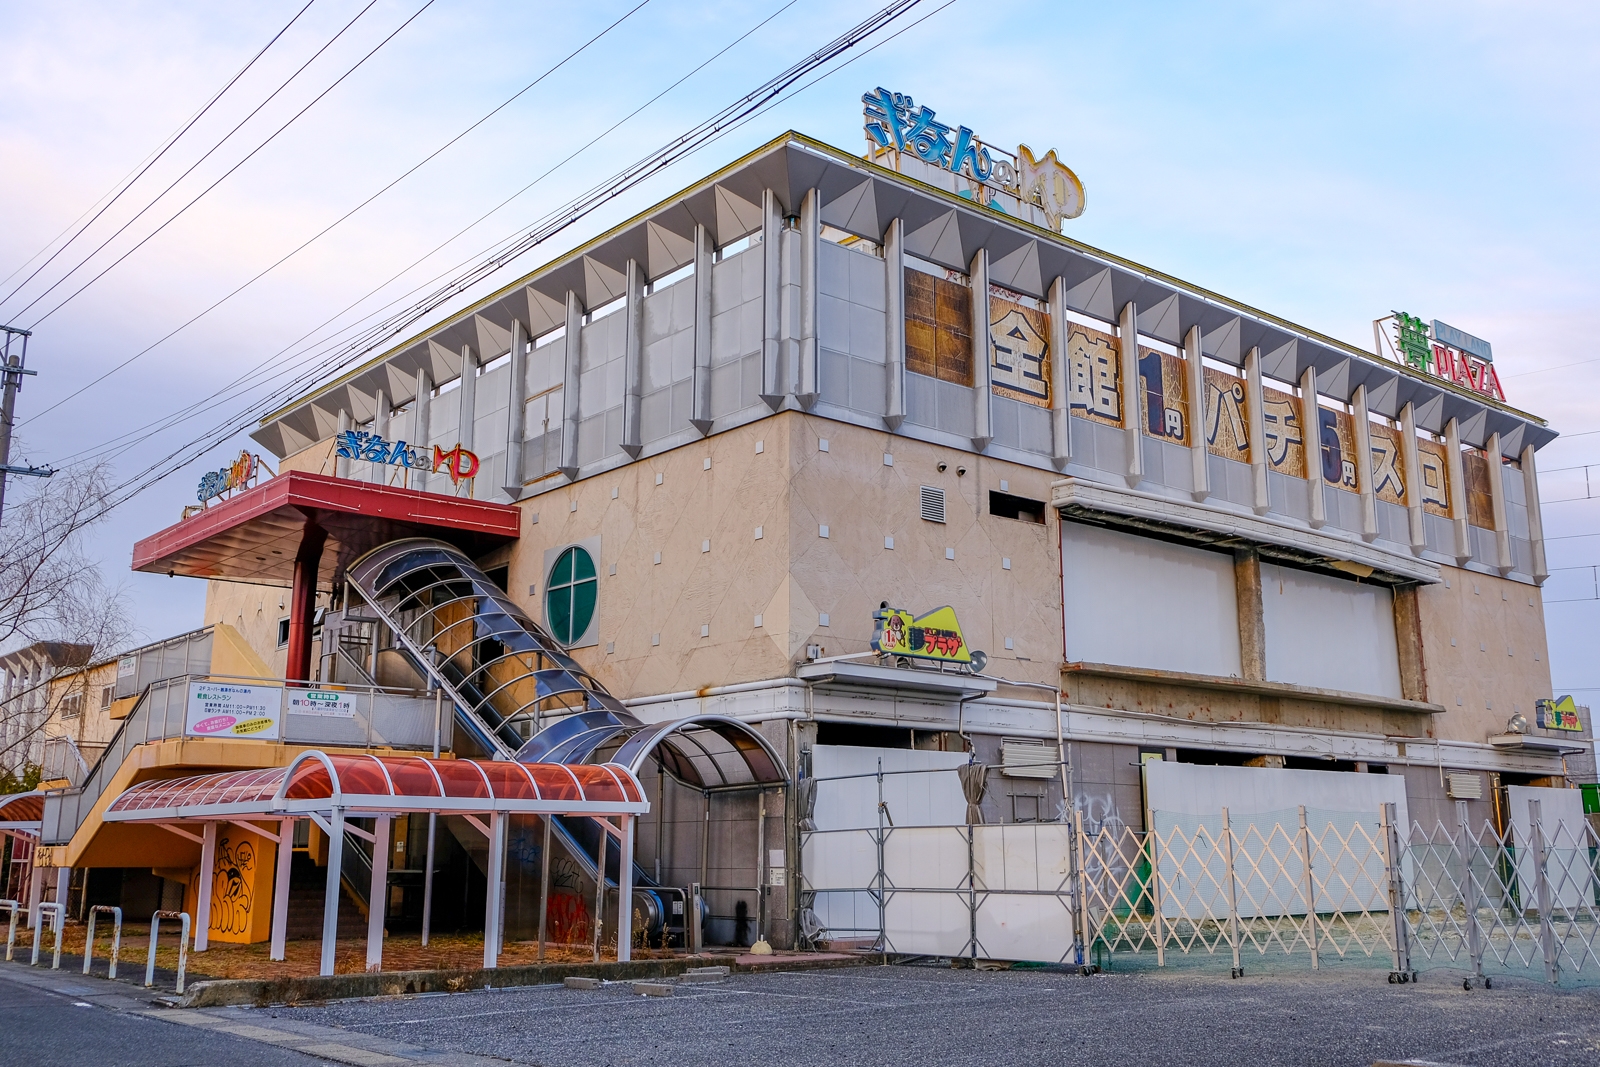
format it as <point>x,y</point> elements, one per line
<point>1326,162</point>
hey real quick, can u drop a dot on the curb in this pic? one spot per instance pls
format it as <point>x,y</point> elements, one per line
<point>261,993</point>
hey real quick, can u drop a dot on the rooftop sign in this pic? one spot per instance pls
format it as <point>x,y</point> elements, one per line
<point>1440,350</point>
<point>1012,184</point>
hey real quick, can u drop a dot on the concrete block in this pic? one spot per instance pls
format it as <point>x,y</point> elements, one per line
<point>573,982</point>
<point>720,971</point>
<point>704,977</point>
<point>652,989</point>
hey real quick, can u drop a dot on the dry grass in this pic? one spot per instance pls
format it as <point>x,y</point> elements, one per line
<point>401,952</point>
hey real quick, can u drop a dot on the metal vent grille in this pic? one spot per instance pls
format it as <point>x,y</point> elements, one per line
<point>1026,758</point>
<point>932,504</point>
<point>1465,786</point>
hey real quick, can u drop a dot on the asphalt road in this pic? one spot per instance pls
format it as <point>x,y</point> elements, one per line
<point>881,1016</point>
<point>41,1027</point>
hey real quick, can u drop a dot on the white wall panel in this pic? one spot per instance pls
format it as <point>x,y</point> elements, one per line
<point>1138,602</point>
<point>1330,633</point>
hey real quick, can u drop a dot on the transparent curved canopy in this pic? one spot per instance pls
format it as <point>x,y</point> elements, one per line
<point>503,668</point>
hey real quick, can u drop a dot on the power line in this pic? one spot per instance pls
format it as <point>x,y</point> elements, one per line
<point>557,221</point>
<point>226,174</point>
<point>342,218</point>
<point>139,171</point>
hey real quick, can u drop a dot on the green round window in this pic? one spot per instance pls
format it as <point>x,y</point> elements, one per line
<point>570,595</point>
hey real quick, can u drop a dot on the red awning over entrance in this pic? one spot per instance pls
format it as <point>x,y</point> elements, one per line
<point>256,535</point>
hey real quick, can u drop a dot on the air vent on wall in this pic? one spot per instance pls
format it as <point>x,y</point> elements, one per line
<point>1026,758</point>
<point>932,504</point>
<point>1465,786</point>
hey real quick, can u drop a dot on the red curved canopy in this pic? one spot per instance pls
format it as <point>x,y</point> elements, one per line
<point>22,811</point>
<point>317,781</point>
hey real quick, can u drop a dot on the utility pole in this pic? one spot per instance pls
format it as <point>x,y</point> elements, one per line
<point>12,368</point>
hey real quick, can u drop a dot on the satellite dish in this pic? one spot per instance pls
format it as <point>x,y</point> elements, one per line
<point>980,660</point>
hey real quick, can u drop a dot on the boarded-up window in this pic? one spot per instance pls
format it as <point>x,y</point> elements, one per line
<point>1019,350</point>
<point>1093,374</point>
<point>1164,389</point>
<point>938,327</point>
<point>1480,505</point>
<point>1286,450</point>
<point>1336,436</point>
<point>1435,477</point>
<point>1227,418</point>
<point>1388,464</point>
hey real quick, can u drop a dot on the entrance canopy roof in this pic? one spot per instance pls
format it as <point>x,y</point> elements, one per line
<point>364,785</point>
<point>22,813</point>
<point>255,535</point>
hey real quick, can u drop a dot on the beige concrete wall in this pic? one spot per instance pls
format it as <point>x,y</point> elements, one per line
<point>254,611</point>
<point>1483,651</point>
<point>862,500</point>
<point>724,588</point>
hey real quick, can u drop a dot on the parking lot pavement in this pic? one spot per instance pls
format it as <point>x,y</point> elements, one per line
<point>913,1016</point>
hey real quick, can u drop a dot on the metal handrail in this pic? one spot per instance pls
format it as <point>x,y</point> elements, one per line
<point>116,937</point>
<point>60,913</point>
<point>183,946</point>
<point>15,907</point>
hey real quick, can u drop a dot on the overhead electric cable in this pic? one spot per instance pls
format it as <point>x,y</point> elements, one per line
<point>554,223</point>
<point>139,171</point>
<point>325,230</point>
<point>226,174</point>
<point>317,370</point>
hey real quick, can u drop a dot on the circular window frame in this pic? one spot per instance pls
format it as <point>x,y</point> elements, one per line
<point>575,637</point>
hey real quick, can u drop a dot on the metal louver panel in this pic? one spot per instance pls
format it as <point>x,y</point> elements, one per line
<point>932,504</point>
<point>1023,758</point>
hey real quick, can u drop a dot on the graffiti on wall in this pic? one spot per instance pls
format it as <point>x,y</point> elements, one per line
<point>231,879</point>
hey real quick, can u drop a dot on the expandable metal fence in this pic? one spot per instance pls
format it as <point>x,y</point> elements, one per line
<point>1303,886</point>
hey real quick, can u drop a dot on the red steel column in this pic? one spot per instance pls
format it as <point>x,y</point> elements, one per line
<point>303,602</point>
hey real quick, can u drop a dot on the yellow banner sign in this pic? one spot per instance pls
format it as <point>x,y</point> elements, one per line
<point>936,635</point>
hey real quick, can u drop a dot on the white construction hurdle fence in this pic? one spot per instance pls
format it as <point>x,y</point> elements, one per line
<point>1298,887</point>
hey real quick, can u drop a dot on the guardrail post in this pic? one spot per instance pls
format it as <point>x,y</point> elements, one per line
<point>116,937</point>
<point>183,946</point>
<point>1397,891</point>
<point>1312,933</point>
<point>1233,894</point>
<point>11,933</point>
<point>1541,886</point>
<point>59,912</point>
<point>1469,890</point>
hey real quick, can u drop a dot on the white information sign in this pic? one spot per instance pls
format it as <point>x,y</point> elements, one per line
<point>251,711</point>
<point>322,702</point>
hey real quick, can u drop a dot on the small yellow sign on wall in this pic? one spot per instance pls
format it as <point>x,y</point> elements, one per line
<point>934,636</point>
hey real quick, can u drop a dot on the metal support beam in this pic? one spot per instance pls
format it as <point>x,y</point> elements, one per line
<point>810,253</point>
<point>894,267</point>
<point>1456,478</point>
<point>495,905</point>
<point>378,892</point>
<point>982,419</point>
<point>303,602</point>
<point>467,393</point>
<point>625,890</point>
<point>1497,505</point>
<point>421,425</point>
<point>1060,378</point>
<point>572,345</point>
<point>700,418</point>
<point>772,384</point>
<point>1128,379</point>
<point>280,890</point>
<point>1530,486</point>
<point>632,359</point>
<point>208,877</point>
<point>1194,367</point>
<point>332,889</point>
<point>1411,459</point>
<point>1311,431</point>
<point>516,410</point>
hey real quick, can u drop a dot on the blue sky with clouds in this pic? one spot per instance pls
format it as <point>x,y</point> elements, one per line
<point>1326,162</point>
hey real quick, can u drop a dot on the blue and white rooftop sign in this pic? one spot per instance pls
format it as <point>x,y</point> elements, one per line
<point>1043,191</point>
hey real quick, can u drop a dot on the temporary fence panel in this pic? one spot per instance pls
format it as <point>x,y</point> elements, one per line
<point>917,788</point>
<point>927,903</point>
<point>1557,807</point>
<point>1022,881</point>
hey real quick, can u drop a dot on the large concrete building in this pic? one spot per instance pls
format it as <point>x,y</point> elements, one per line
<point>706,457</point>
